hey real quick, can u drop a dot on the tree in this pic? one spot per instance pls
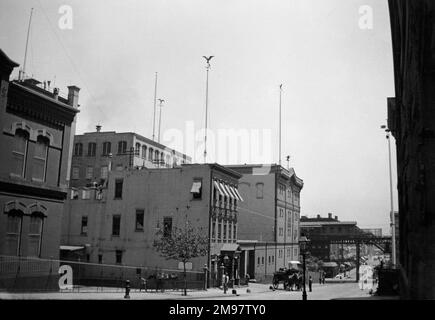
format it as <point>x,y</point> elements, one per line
<point>182,244</point>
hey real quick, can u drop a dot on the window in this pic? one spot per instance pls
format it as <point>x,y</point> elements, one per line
<point>75,173</point>
<point>86,194</point>
<point>280,232</point>
<point>213,231</point>
<point>13,233</point>
<point>107,148</point>
<point>104,172</point>
<point>122,147</point>
<point>156,155</point>
<point>118,255</point>
<point>230,232</point>
<point>150,154</point>
<point>116,225</point>
<point>281,213</point>
<point>139,220</point>
<point>84,226</point>
<point>219,231</point>
<point>167,226</point>
<point>262,260</point>
<point>268,259</point>
<point>273,259</point>
<point>258,260</point>
<point>196,189</point>
<point>92,149</point>
<point>100,258</point>
<point>168,160</point>
<point>295,252</point>
<point>20,152</point>
<point>235,232</point>
<point>260,187</point>
<point>118,188</point>
<point>137,149</point>
<point>78,149</point>
<point>35,233</point>
<point>74,194</point>
<point>89,172</point>
<point>144,152</point>
<point>40,158</point>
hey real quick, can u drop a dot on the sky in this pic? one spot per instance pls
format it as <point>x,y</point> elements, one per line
<point>336,78</point>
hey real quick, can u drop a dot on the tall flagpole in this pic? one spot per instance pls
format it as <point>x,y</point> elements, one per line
<point>154,115</point>
<point>206,107</point>
<point>27,43</point>
<point>160,117</point>
<point>280,91</point>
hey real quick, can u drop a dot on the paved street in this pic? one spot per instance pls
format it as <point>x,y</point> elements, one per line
<point>258,292</point>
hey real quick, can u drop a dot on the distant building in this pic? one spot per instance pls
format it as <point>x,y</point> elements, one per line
<point>96,153</point>
<point>374,231</point>
<point>319,229</point>
<point>268,218</point>
<point>35,145</point>
<point>118,225</point>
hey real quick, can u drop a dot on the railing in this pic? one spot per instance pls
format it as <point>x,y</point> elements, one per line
<point>33,274</point>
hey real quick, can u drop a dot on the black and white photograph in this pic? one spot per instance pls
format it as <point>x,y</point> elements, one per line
<point>237,151</point>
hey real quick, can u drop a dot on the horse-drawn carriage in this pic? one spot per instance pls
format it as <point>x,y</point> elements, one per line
<point>290,278</point>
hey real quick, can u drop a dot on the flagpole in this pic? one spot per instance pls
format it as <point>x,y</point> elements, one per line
<point>154,115</point>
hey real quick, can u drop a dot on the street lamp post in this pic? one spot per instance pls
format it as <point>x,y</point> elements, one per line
<point>392,217</point>
<point>303,242</point>
<point>206,107</point>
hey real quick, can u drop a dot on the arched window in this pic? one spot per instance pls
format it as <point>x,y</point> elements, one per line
<point>137,149</point>
<point>107,146</point>
<point>21,142</point>
<point>122,147</point>
<point>144,152</point>
<point>156,155</point>
<point>78,149</point>
<point>13,232</point>
<point>40,158</point>
<point>150,154</point>
<point>92,148</point>
<point>35,234</point>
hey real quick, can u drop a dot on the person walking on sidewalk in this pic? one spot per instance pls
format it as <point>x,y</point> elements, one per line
<point>310,284</point>
<point>226,280</point>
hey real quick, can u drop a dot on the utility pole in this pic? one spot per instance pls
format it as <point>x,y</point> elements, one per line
<point>206,107</point>
<point>280,93</point>
<point>27,43</point>
<point>154,115</point>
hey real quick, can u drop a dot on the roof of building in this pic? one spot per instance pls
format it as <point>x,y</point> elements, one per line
<point>320,223</point>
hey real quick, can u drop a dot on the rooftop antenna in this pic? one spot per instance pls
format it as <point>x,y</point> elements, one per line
<point>155,100</point>
<point>160,116</point>
<point>207,59</point>
<point>23,72</point>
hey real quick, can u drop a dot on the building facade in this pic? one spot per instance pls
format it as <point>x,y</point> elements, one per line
<point>118,225</point>
<point>411,120</point>
<point>36,128</point>
<point>269,218</point>
<point>95,153</point>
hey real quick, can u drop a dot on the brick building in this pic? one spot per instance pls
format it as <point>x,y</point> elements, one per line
<point>411,120</point>
<point>268,218</point>
<point>36,149</point>
<point>95,153</point>
<point>118,226</point>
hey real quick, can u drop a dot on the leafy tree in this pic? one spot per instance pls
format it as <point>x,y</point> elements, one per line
<point>182,244</point>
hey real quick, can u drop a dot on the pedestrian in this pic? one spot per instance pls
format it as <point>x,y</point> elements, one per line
<point>247,279</point>
<point>310,284</point>
<point>226,280</point>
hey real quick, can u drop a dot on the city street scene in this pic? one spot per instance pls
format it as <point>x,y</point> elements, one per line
<point>217,150</point>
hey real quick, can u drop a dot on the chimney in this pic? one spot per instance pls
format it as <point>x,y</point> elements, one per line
<point>330,215</point>
<point>318,216</point>
<point>73,96</point>
<point>98,127</point>
<point>336,218</point>
<point>56,93</point>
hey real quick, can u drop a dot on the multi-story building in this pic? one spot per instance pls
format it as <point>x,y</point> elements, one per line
<point>320,229</point>
<point>119,225</point>
<point>95,153</point>
<point>35,145</point>
<point>411,121</point>
<point>268,218</point>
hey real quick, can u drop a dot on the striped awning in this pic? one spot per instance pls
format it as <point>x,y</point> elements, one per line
<point>238,194</point>
<point>218,188</point>
<point>224,189</point>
